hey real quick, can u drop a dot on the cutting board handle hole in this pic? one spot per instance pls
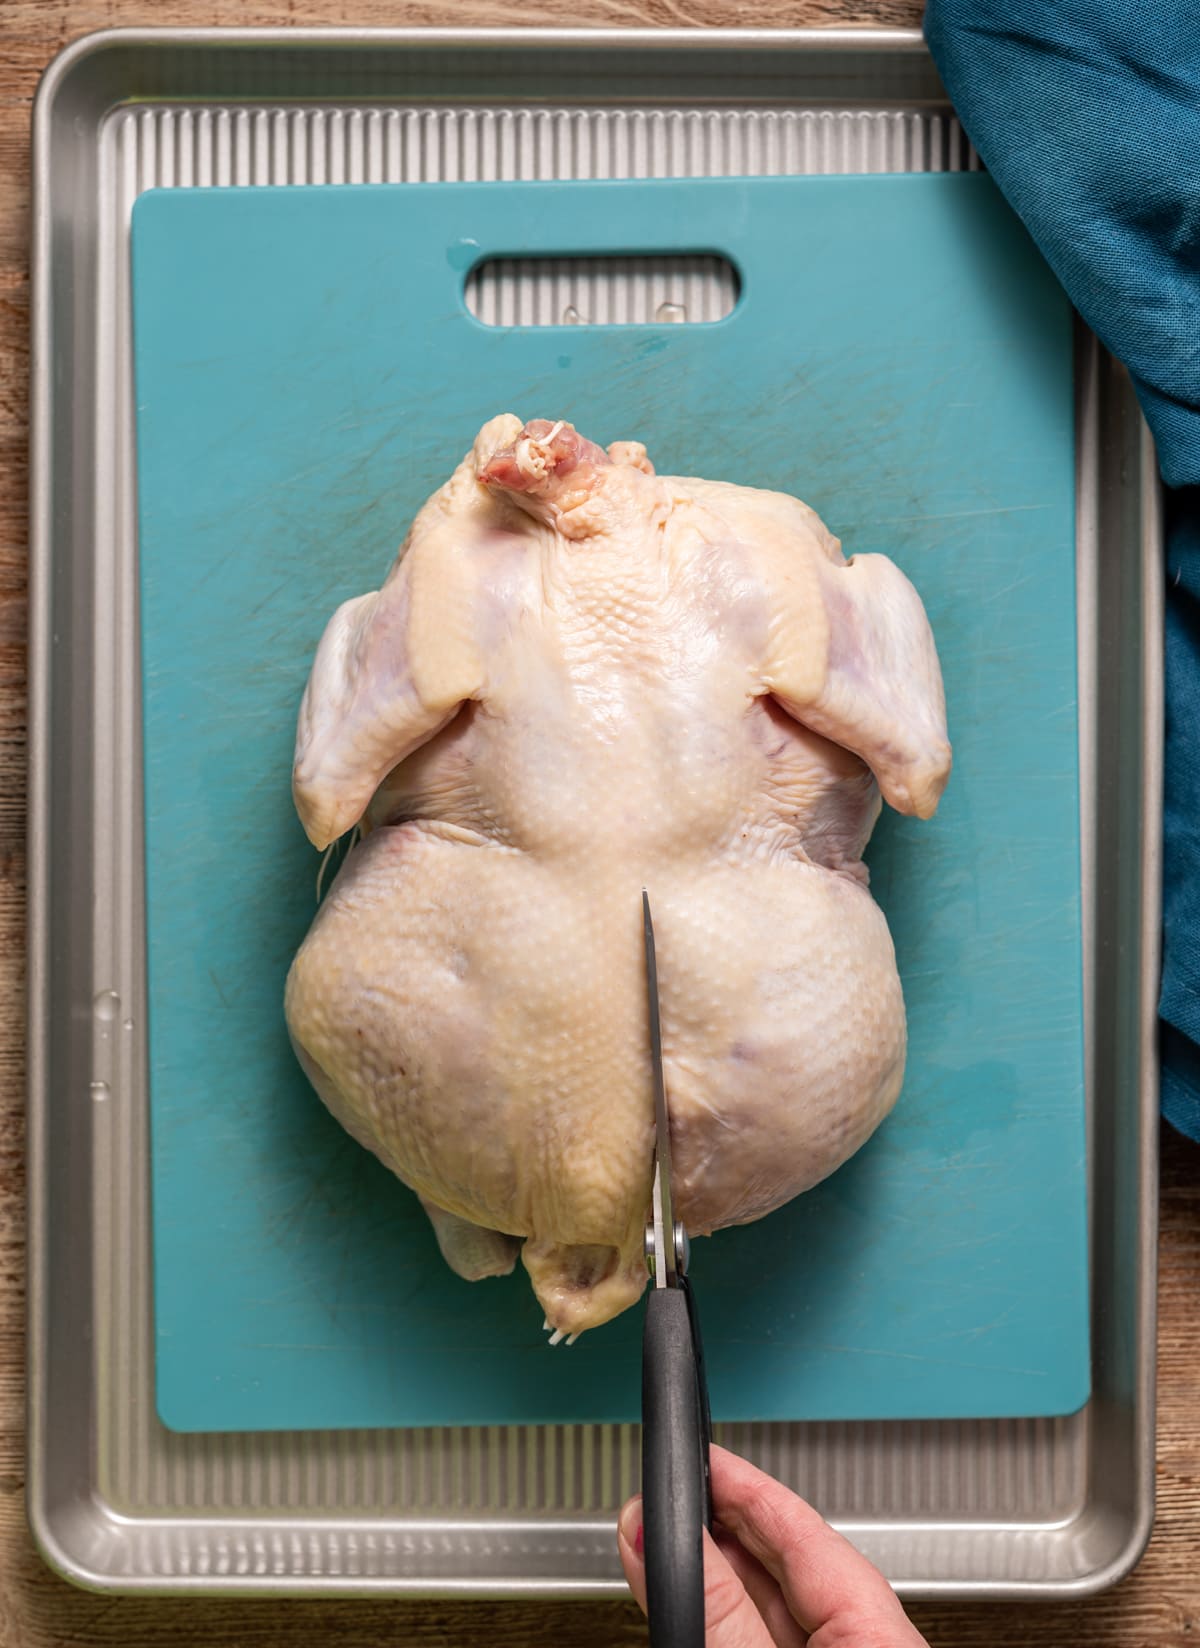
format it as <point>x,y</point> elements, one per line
<point>650,290</point>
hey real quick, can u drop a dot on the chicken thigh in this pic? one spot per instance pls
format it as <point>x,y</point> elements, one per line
<point>580,679</point>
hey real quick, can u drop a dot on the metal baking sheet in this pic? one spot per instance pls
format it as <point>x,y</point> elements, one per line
<point>117,1502</point>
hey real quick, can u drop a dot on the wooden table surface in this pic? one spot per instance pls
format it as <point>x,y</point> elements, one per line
<point>1159,1605</point>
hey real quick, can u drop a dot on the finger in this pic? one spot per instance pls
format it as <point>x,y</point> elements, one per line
<point>764,1592</point>
<point>629,1548</point>
<point>730,1618</point>
<point>824,1580</point>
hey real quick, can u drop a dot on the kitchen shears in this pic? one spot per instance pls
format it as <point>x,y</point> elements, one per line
<point>676,1424</point>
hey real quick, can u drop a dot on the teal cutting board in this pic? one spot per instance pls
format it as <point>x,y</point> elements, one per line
<point>306,373</point>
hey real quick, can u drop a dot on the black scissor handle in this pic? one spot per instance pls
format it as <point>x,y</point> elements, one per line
<point>675,1497</point>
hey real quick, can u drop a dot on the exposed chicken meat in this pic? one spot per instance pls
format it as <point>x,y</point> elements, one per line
<point>579,679</point>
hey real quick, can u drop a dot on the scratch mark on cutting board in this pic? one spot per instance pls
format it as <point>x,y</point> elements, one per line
<point>939,1361</point>
<point>955,514</point>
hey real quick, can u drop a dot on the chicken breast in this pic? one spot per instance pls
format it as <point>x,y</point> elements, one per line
<point>579,679</point>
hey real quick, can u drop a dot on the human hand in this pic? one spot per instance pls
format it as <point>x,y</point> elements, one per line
<point>776,1575</point>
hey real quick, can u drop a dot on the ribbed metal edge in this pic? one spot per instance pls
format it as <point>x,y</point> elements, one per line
<point>230,147</point>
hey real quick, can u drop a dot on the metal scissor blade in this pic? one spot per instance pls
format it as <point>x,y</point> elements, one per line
<point>665,1272</point>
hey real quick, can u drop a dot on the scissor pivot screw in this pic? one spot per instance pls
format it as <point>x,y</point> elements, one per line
<point>683,1249</point>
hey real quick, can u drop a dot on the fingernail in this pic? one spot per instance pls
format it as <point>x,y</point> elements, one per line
<point>631,1522</point>
<point>639,1540</point>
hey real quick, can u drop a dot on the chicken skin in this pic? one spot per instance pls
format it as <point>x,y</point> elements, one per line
<point>580,679</point>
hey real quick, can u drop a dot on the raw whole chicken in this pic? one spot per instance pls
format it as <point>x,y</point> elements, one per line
<point>580,679</point>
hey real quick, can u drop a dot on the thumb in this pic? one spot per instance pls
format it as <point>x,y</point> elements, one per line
<point>731,1619</point>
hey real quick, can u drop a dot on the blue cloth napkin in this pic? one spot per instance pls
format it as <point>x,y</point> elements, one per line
<point>1087,114</point>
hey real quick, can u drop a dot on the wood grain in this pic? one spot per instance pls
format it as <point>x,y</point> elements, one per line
<point>1157,1607</point>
